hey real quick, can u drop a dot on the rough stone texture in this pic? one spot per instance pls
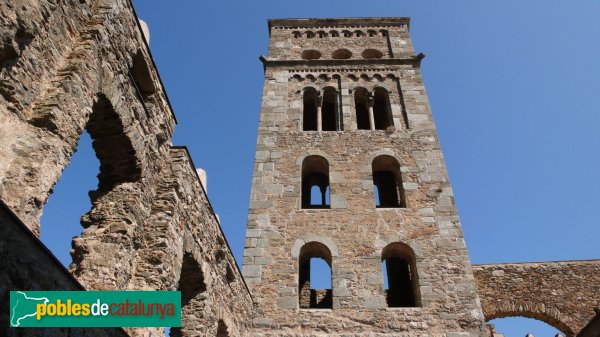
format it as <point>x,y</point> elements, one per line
<point>562,294</point>
<point>70,66</point>
<point>592,329</point>
<point>354,231</point>
<point>26,264</point>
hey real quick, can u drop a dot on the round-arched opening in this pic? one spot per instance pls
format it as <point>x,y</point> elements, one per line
<point>311,54</point>
<point>341,54</point>
<point>522,325</point>
<point>315,172</point>
<point>372,54</point>
<point>315,265</point>
<point>400,276</point>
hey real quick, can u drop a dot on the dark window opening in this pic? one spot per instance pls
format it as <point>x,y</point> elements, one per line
<point>191,284</point>
<point>315,182</point>
<point>311,254</point>
<point>222,329</point>
<point>341,54</point>
<point>362,109</point>
<point>191,281</point>
<point>329,110</point>
<point>142,76</point>
<point>230,276</point>
<point>400,277</point>
<point>309,119</point>
<point>381,109</point>
<point>387,182</point>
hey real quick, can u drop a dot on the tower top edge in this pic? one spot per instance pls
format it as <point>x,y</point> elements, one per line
<point>338,22</point>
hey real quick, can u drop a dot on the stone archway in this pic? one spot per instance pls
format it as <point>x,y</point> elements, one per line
<point>561,294</point>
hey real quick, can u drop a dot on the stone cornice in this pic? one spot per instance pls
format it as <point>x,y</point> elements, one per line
<point>414,60</point>
<point>339,22</point>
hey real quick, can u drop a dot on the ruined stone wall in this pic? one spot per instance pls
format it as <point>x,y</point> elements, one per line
<point>353,229</point>
<point>26,264</point>
<point>562,294</point>
<point>70,66</point>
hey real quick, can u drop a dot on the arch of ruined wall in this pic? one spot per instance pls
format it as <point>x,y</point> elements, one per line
<point>562,294</point>
<point>82,65</point>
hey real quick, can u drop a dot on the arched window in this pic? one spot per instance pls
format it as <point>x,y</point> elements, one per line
<point>311,54</point>
<point>347,33</point>
<point>315,173</point>
<point>222,329</point>
<point>329,110</point>
<point>321,34</point>
<point>310,34</point>
<point>381,109</point>
<point>341,54</point>
<point>400,276</point>
<point>308,297</point>
<point>372,33</point>
<point>371,54</point>
<point>334,33</point>
<point>387,182</point>
<point>191,284</point>
<point>362,108</point>
<point>309,114</point>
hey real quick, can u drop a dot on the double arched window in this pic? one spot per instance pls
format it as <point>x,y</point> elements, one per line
<point>373,110</point>
<point>321,112</point>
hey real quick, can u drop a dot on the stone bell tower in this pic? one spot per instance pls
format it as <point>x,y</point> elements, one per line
<point>348,169</point>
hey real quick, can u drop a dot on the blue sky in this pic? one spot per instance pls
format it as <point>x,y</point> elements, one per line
<point>514,87</point>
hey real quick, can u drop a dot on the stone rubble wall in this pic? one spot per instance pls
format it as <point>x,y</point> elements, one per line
<point>70,66</point>
<point>26,264</point>
<point>562,294</point>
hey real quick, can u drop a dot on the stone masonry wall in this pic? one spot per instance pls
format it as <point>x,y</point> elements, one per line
<point>562,294</point>
<point>70,66</point>
<point>353,230</point>
<point>27,265</point>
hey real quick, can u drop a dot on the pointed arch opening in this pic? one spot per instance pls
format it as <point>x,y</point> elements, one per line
<point>315,178</point>
<point>387,182</point>
<point>382,111</point>
<point>400,276</point>
<point>310,298</point>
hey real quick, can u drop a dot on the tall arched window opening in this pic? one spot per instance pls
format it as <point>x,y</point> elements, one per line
<point>309,297</point>
<point>329,110</point>
<point>315,174</point>
<point>400,276</point>
<point>362,109</point>
<point>191,284</point>
<point>310,106</point>
<point>381,109</point>
<point>387,182</point>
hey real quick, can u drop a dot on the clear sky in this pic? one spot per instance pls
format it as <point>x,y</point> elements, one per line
<point>514,88</point>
